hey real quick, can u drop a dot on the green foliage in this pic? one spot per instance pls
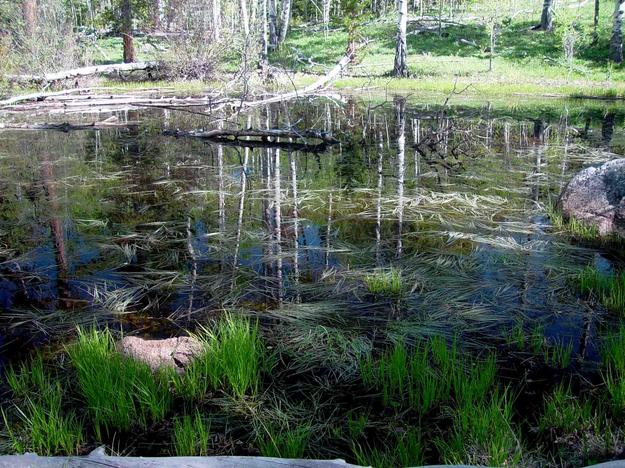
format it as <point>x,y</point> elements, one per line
<point>191,435</point>
<point>385,282</point>
<point>42,424</point>
<point>232,360</point>
<point>404,449</point>
<point>565,413</point>
<point>558,356</point>
<point>284,441</point>
<point>609,290</point>
<point>119,391</point>
<point>613,372</point>
<point>574,227</point>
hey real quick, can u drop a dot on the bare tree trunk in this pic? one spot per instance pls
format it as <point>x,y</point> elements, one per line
<point>326,14</point>
<point>244,17</point>
<point>286,17</point>
<point>401,67</point>
<point>129,48</point>
<point>546,19</point>
<point>29,12</point>
<point>216,20</point>
<point>264,31</point>
<point>616,43</point>
<point>273,27</point>
<point>595,22</point>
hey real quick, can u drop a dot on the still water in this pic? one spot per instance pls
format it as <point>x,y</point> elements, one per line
<point>132,226</point>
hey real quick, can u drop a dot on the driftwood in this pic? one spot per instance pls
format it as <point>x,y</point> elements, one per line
<point>270,138</point>
<point>84,71</point>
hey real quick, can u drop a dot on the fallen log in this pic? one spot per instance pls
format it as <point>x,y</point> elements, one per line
<point>270,138</point>
<point>67,127</point>
<point>83,71</point>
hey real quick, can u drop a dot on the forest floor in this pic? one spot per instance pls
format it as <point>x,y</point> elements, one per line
<point>526,62</point>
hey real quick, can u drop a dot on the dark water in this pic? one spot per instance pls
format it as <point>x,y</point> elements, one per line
<point>155,233</point>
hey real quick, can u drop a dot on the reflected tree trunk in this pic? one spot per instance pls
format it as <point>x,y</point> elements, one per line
<point>607,128</point>
<point>328,233</point>
<point>277,227</point>
<point>296,273</point>
<point>237,244</point>
<point>378,217</point>
<point>193,257</point>
<point>221,194</point>
<point>616,42</point>
<point>400,110</point>
<point>57,231</point>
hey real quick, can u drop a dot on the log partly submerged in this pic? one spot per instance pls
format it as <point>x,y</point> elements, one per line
<point>289,139</point>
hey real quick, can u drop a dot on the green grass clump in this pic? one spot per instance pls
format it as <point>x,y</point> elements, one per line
<point>284,442</point>
<point>232,360</point>
<point>483,433</point>
<point>613,372</point>
<point>609,290</point>
<point>574,227</point>
<point>558,356</point>
<point>564,413</point>
<point>119,391</point>
<point>404,449</point>
<point>42,424</point>
<point>385,282</point>
<point>191,435</point>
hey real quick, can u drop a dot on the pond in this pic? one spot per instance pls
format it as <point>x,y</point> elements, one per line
<point>424,222</point>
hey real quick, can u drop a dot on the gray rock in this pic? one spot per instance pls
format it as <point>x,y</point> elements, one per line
<point>175,353</point>
<point>596,196</point>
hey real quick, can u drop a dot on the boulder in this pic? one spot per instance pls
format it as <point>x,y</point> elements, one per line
<point>596,196</point>
<point>175,353</point>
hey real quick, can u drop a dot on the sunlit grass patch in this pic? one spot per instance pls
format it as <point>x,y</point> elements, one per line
<point>41,423</point>
<point>232,360</point>
<point>191,435</point>
<point>565,413</point>
<point>613,372</point>
<point>609,290</point>
<point>574,227</point>
<point>119,392</point>
<point>385,282</point>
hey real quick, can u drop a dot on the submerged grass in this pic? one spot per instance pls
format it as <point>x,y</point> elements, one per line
<point>609,290</point>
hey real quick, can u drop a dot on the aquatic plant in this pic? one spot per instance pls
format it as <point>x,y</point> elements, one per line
<point>118,391</point>
<point>613,372</point>
<point>574,227</point>
<point>564,412</point>
<point>405,448</point>
<point>284,441</point>
<point>232,360</point>
<point>191,435</point>
<point>385,282</point>
<point>609,290</point>
<point>43,426</point>
<point>558,356</point>
<point>357,424</point>
<point>482,433</point>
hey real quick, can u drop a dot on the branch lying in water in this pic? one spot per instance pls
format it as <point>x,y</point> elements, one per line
<point>252,138</point>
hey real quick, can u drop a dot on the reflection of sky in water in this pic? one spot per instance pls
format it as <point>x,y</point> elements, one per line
<point>523,279</point>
